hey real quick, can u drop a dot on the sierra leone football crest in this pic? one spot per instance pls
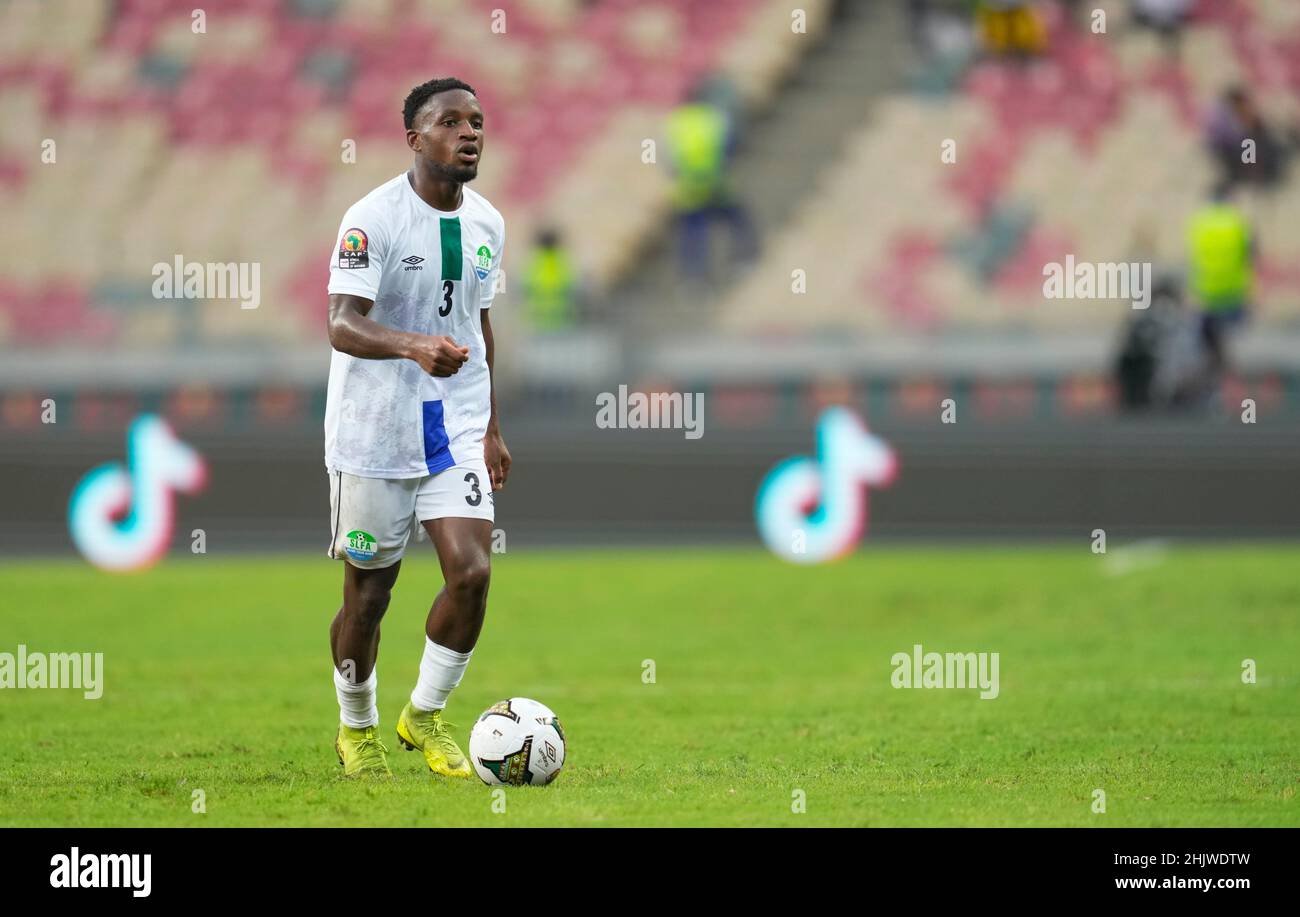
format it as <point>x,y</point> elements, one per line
<point>361,545</point>
<point>484,262</point>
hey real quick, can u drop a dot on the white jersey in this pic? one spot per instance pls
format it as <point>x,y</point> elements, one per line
<point>428,271</point>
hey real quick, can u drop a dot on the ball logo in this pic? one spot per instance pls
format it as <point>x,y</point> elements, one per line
<point>121,517</point>
<point>814,510</point>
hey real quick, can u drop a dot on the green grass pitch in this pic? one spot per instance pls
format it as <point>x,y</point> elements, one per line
<point>769,679</point>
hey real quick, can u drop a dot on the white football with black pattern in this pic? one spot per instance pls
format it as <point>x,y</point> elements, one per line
<point>517,742</point>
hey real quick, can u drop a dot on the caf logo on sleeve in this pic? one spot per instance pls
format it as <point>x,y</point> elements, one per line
<point>354,250</point>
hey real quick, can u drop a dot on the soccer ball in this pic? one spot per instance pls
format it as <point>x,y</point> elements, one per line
<point>517,741</point>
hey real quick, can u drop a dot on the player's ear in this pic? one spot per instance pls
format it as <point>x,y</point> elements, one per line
<point>413,140</point>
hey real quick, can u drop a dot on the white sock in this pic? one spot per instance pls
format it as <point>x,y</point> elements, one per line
<point>440,671</point>
<point>357,706</point>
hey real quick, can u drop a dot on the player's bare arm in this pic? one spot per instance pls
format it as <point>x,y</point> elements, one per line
<point>495,452</point>
<point>351,332</point>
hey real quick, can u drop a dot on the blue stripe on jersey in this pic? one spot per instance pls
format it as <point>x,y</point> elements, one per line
<point>437,455</point>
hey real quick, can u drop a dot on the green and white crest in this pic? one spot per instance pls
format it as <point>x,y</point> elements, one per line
<point>361,545</point>
<point>484,263</point>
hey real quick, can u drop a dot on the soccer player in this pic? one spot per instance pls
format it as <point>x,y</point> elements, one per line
<point>411,431</point>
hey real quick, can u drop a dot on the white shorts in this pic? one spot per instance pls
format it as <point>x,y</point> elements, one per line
<point>371,518</point>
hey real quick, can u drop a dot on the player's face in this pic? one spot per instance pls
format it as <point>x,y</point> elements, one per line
<point>449,134</point>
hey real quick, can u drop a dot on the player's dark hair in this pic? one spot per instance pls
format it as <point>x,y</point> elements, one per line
<point>420,94</point>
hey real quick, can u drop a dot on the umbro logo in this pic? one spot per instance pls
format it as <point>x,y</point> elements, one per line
<point>412,263</point>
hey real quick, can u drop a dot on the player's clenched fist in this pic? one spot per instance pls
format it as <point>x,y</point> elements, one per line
<point>439,356</point>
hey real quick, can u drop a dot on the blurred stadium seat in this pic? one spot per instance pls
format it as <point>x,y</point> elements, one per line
<point>226,145</point>
<point>1087,150</point>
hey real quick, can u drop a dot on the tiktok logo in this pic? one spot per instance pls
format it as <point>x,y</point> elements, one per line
<point>121,517</point>
<point>814,510</point>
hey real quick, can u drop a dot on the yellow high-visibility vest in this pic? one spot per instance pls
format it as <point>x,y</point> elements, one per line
<point>549,286</point>
<point>1218,245</point>
<point>697,140</point>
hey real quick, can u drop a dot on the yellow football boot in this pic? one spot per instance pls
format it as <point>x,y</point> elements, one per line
<point>425,730</point>
<point>361,753</point>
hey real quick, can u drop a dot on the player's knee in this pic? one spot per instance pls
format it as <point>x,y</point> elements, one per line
<point>370,602</point>
<point>470,580</point>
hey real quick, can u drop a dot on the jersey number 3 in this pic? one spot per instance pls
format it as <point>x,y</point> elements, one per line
<point>448,287</point>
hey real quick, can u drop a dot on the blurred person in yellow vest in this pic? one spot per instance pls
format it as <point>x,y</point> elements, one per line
<point>701,140</point>
<point>550,284</point>
<point>1221,253</point>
